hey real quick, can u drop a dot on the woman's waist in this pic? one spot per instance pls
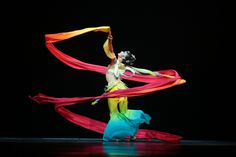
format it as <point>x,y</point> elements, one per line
<point>115,85</point>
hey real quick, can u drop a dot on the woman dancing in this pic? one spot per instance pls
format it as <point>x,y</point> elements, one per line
<point>124,123</point>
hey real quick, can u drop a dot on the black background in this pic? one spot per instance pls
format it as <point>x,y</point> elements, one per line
<point>186,36</point>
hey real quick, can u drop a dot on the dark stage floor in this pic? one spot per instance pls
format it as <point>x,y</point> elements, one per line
<point>76,147</point>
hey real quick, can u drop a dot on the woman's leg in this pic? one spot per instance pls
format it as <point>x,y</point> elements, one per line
<point>123,104</point>
<point>113,105</point>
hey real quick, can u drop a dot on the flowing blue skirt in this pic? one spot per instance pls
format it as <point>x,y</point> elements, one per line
<point>125,125</point>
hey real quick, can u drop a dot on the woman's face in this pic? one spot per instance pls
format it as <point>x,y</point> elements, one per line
<point>122,55</point>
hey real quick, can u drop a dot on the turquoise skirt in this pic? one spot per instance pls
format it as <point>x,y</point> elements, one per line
<point>126,125</point>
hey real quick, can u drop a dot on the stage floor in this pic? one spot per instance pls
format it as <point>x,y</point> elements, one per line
<point>76,147</point>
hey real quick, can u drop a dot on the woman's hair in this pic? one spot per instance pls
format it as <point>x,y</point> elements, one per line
<point>129,58</point>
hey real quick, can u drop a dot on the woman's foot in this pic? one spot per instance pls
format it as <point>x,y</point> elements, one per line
<point>132,138</point>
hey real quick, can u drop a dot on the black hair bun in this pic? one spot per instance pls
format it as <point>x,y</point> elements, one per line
<point>129,58</point>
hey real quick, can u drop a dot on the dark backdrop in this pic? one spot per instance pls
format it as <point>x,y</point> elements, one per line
<point>187,37</point>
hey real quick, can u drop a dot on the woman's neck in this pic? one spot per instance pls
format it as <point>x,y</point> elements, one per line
<point>119,59</point>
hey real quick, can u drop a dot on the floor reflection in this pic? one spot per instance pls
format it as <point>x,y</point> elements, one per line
<point>117,149</point>
<point>75,147</point>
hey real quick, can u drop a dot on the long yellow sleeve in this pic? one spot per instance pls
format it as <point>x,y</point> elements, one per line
<point>109,52</point>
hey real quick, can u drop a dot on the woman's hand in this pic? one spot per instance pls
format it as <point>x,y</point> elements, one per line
<point>157,73</point>
<point>164,75</point>
<point>110,37</point>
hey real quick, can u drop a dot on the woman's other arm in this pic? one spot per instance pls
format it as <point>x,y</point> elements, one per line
<point>149,72</point>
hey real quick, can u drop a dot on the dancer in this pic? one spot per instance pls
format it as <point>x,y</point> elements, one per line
<point>123,122</point>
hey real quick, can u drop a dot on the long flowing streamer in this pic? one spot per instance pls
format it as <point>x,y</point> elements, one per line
<point>152,84</point>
